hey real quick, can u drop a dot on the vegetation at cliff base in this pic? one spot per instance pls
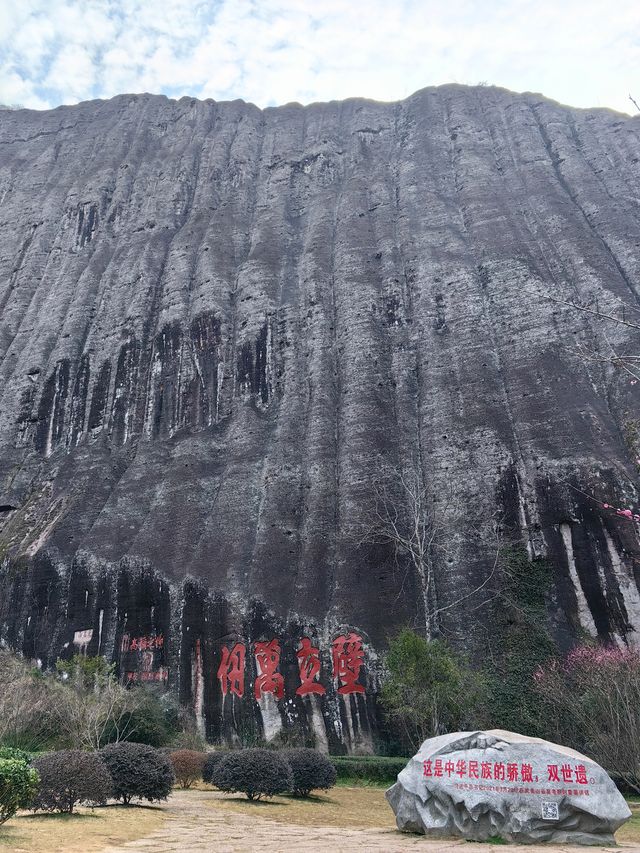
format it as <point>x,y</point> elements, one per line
<point>428,689</point>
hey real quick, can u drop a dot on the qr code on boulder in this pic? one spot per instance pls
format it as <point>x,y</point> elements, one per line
<point>549,811</point>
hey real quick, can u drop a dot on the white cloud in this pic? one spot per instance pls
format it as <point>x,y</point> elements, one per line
<point>582,52</point>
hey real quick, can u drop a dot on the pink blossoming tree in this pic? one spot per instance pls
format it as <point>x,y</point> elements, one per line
<point>593,698</point>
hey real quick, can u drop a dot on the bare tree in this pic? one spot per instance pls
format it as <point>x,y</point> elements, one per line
<point>93,706</point>
<point>622,315</point>
<point>402,514</point>
<point>593,698</point>
<point>25,712</point>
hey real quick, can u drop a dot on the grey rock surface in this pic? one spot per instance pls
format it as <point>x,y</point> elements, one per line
<point>480,784</point>
<point>219,324</point>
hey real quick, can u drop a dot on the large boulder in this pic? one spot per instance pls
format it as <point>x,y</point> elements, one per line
<point>496,783</point>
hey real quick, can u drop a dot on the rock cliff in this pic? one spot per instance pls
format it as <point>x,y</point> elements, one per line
<point>221,326</point>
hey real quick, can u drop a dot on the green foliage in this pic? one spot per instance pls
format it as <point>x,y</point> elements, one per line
<point>85,671</point>
<point>83,705</point>
<point>9,752</point>
<point>255,772</point>
<point>429,688</point>
<point>522,643</point>
<point>138,770</point>
<point>18,786</point>
<point>68,777</point>
<point>311,771</point>
<point>188,765</point>
<point>367,769</point>
<point>211,763</point>
<point>154,720</point>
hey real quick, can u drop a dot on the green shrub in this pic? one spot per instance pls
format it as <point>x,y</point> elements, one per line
<point>367,770</point>
<point>154,720</point>
<point>520,643</point>
<point>211,763</point>
<point>69,777</point>
<point>18,786</point>
<point>18,754</point>
<point>188,765</point>
<point>311,770</point>
<point>255,772</point>
<point>138,770</point>
<point>429,688</point>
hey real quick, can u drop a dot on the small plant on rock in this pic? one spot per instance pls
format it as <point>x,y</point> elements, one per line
<point>255,772</point>
<point>188,765</point>
<point>69,777</point>
<point>311,770</point>
<point>18,785</point>
<point>138,771</point>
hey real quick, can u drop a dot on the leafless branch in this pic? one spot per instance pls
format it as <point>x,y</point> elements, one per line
<point>402,514</point>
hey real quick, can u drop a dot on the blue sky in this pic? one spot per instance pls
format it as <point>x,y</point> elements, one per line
<point>582,52</point>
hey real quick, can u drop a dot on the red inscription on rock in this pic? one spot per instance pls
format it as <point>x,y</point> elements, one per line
<point>348,657</point>
<point>268,680</point>
<point>231,670</point>
<point>309,668</point>
<point>510,772</point>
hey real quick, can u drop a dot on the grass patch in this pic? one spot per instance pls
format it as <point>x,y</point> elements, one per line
<point>341,807</point>
<point>631,830</point>
<point>87,831</point>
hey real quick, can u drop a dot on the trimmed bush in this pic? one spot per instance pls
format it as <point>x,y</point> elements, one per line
<point>311,770</point>
<point>69,777</point>
<point>255,772</point>
<point>18,786</point>
<point>368,769</point>
<point>187,766</point>
<point>139,771</point>
<point>213,759</point>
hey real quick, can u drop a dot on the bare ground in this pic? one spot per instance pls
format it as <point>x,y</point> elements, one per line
<point>199,821</point>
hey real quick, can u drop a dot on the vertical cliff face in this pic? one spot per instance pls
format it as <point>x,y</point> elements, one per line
<point>221,326</point>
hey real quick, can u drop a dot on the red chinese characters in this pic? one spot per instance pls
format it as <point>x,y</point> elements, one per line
<point>526,773</point>
<point>309,669</point>
<point>499,771</point>
<point>231,670</point>
<point>348,657</point>
<point>581,774</point>
<point>152,643</point>
<point>347,660</point>
<point>268,679</point>
<point>577,773</point>
<point>161,674</point>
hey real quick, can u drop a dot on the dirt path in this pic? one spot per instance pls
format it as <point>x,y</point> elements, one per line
<point>195,824</point>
